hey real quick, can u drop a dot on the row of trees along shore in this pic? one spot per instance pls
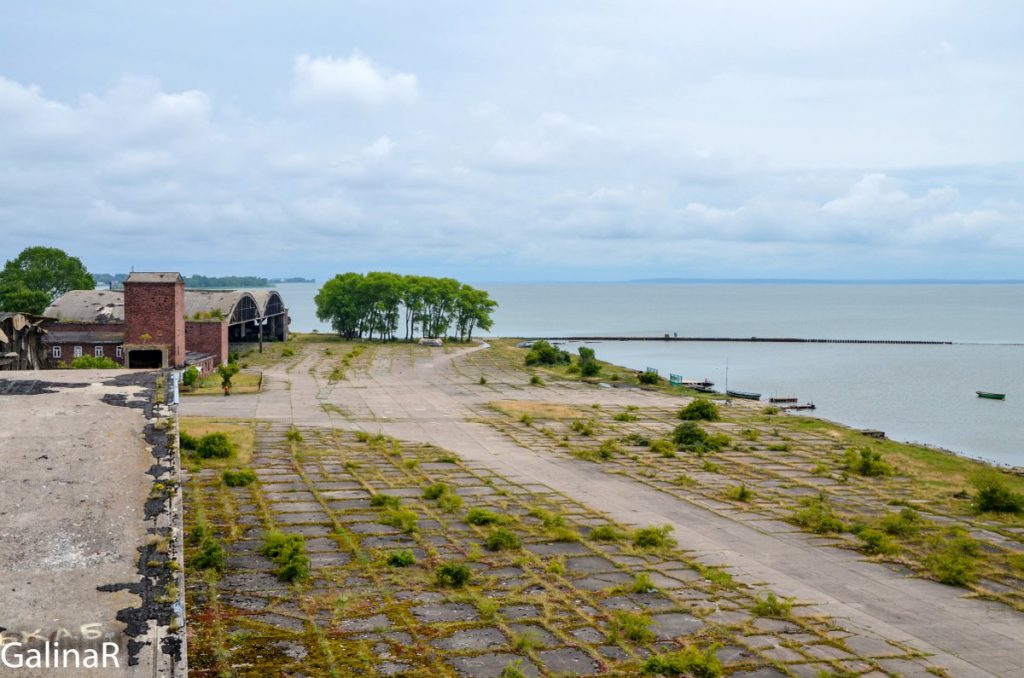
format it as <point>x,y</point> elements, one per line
<point>378,303</point>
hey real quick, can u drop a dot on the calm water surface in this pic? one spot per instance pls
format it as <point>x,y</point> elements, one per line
<point>919,393</point>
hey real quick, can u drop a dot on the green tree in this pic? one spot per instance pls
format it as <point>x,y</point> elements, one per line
<point>589,367</point>
<point>226,372</point>
<point>543,353</point>
<point>35,278</point>
<point>371,305</point>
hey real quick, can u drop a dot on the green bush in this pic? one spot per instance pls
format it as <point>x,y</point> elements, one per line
<point>584,428</point>
<point>239,478</point>
<point>453,575</point>
<point>876,542</point>
<point>637,439</point>
<point>293,434</point>
<point>770,605</point>
<point>502,539</point>
<point>403,558</point>
<point>902,524</point>
<point>215,446</point>
<point>589,367</point>
<point>817,516</point>
<point>650,378</point>
<point>739,493</point>
<point>607,533</point>
<point>88,362</point>
<point>654,537</point>
<point>188,442</point>
<point>190,376</point>
<point>543,353</point>
<point>385,500</point>
<point>690,437</point>
<point>993,495</point>
<point>513,670</point>
<point>625,416</point>
<point>700,409</point>
<point>953,559</point>
<point>405,519</point>
<point>200,532</point>
<point>689,661</point>
<point>608,449</point>
<point>635,627</point>
<point>866,462</point>
<point>288,551</point>
<point>642,584</point>
<point>663,447</point>
<point>434,491</point>
<point>536,381</point>
<point>482,516</point>
<point>211,555</point>
<point>449,502</point>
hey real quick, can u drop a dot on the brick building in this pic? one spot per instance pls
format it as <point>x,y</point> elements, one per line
<point>155,322</point>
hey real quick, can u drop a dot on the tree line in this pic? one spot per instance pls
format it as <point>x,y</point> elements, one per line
<point>380,304</point>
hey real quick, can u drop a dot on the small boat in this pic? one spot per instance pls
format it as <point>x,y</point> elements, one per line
<point>703,389</point>
<point>991,396</point>
<point>807,406</point>
<point>693,383</point>
<point>783,399</point>
<point>746,395</point>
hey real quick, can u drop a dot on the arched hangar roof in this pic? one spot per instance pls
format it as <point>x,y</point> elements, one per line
<point>107,306</point>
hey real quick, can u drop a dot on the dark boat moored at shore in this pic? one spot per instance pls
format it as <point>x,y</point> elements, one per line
<point>991,396</point>
<point>806,406</point>
<point>783,399</point>
<point>746,395</point>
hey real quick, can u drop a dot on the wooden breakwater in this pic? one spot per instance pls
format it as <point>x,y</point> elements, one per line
<point>767,340</point>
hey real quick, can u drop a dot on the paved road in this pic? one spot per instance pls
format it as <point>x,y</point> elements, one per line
<point>428,400</point>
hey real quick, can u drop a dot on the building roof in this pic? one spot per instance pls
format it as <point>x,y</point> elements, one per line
<point>210,301</point>
<point>107,306</point>
<point>88,306</point>
<point>153,277</point>
<point>194,357</point>
<point>83,338</point>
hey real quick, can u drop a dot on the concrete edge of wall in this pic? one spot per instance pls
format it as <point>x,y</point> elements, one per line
<point>177,510</point>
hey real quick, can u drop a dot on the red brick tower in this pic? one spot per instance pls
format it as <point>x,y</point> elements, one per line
<point>154,320</point>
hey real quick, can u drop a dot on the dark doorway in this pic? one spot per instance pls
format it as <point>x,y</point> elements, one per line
<point>145,359</point>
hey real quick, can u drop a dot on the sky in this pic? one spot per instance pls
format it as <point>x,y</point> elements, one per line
<point>518,141</point>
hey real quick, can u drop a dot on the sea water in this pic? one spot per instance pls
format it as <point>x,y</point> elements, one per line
<point>923,393</point>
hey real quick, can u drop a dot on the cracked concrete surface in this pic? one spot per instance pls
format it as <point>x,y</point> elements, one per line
<point>72,511</point>
<point>423,395</point>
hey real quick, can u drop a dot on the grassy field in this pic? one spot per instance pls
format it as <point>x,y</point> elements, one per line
<point>907,505</point>
<point>402,560</point>
<point>616,374</point>
<point>240,433</point>
<point>241,383</point>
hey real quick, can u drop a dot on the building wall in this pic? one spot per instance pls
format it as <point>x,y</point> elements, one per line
<point>60,326</point>
<point>156,309</point>
<point>67,353</point>
<point>204,336</point>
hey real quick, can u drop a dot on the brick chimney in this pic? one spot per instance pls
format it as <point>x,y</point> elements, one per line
<point>154,320</point>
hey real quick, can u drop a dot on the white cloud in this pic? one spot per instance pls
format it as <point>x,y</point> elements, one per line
<point>356,79</point>
<point>381,148</point>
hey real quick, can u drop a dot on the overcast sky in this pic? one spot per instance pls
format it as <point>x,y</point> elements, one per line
<point>518,140</point>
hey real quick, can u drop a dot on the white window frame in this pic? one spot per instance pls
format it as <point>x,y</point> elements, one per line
<point>97,351</point>
<point>119,351</point>
<point>78,351</point>
<point>56,352</point>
